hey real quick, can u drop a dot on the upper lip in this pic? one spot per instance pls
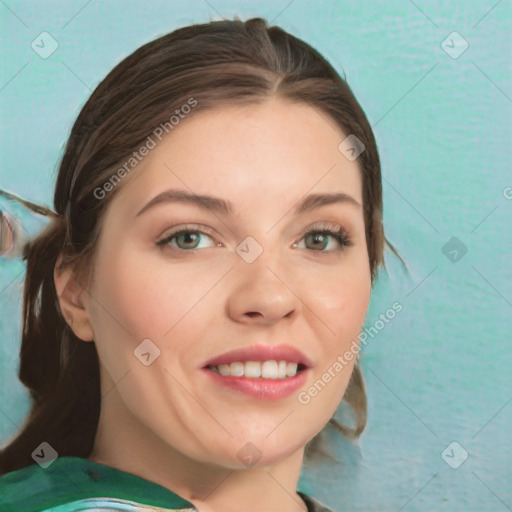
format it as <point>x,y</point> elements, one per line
<point>261,353</point>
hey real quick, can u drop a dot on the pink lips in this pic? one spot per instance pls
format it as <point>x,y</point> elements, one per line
<point>261,353</point>
<point>263,389</point>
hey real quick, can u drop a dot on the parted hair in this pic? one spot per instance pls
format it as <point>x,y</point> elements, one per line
<point>220,63</point>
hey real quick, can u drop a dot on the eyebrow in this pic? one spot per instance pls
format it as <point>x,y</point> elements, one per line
<point>218,205</point>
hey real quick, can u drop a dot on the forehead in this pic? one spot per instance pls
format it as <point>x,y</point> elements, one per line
<point>273,151</point>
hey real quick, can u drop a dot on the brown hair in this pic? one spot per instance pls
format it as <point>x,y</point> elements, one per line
<point>218,63</point>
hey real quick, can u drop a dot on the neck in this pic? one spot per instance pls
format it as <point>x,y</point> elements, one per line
<point>209,487</point>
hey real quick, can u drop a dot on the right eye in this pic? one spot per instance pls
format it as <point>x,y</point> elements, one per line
<point>185,239</point>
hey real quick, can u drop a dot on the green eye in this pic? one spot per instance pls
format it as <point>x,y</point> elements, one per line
<point>317,240</point>
<point>186,239</point>
<point>320,238</point>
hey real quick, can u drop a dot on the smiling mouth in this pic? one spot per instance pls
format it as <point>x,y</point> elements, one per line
<point>271,369</point>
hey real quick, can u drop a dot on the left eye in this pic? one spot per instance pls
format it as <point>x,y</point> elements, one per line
<point>320,237</point>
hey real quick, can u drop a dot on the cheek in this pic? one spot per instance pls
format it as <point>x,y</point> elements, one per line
<point>139,298</point>
<point>342,301</point>
<point>342,307</point>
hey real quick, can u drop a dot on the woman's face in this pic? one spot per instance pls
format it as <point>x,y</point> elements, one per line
<point>163,308</point>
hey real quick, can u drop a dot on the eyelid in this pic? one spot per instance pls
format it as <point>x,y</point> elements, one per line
<point>187,227</point>
<point>317,226</point>
<point>342,235</point>
<point>326,225</point>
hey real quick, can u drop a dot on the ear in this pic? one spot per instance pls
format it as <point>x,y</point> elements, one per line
<point>73,301</point>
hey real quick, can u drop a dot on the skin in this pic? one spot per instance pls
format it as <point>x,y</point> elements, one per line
<point>167,422</point>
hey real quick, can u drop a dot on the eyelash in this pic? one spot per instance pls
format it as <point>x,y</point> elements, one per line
<point>326,229</point>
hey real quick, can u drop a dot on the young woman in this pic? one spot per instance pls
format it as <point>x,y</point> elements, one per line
<point>191,313</point>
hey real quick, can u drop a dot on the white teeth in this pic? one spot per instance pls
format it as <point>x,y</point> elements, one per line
<point>254,369</point>
<point>291,369</point>
<point>269,370</point>
<point>236,369</point>
<point>224,369</point>
<point>281,369</point>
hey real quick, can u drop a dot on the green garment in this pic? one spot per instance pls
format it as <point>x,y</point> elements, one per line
<point>72,484</point>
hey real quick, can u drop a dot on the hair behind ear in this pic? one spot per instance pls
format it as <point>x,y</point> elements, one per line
<point>60,371</point>
<point>355,397</point>
<point>42,323</point>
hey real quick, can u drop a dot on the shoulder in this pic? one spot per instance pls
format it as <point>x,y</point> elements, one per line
<point>314,505</point>
<point>74,479</point>
<point>31,488</point>
<point>70,482</point>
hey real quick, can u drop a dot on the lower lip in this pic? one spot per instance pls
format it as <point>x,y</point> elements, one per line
<point>264,389</point>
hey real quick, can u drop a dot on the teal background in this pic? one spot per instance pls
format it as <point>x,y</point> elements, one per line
<point>440,371</point>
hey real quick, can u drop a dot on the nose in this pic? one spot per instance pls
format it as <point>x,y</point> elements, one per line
<point>263,292</point>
